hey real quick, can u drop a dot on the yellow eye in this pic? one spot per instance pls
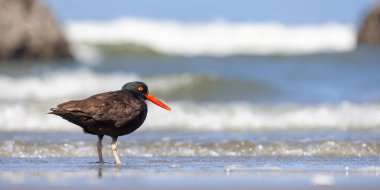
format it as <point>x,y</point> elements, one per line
<point>140,88</point>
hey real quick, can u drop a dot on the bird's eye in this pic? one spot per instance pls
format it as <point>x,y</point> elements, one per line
<point>140,88</point>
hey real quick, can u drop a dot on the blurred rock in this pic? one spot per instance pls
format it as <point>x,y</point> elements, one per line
<point>28,30</point>
<point>369,32</point>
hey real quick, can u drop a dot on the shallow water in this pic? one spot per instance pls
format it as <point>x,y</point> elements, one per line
<point>197,144</point>
<point>172,159</point>
<point>193,171</point>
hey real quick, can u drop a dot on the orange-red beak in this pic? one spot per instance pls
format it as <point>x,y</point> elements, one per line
<point>156,101</point>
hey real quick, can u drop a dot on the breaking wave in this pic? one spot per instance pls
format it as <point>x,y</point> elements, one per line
<point>79,84</point>
<point>188,116</point>
<point>26,99</point>
<point>248,117</point>
<point>216,38</point>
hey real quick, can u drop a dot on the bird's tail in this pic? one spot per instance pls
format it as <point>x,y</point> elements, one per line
<point>55,111</point>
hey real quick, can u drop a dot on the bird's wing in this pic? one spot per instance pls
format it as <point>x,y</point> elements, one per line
<point>115,108</point>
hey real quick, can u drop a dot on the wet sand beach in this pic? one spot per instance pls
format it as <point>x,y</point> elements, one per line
<point>172,160</point>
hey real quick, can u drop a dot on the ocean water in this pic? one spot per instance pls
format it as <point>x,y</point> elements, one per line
<point>239,93</point>
<point>301,112</point>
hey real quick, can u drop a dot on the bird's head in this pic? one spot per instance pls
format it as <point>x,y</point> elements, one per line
<point>141,89</point>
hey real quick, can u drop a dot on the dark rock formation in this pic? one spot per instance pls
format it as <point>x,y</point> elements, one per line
<point>28,30</point>
<point>369,32</point>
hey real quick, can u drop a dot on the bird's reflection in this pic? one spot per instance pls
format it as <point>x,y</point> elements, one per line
<point>100,171</point>
<point>114,169</point>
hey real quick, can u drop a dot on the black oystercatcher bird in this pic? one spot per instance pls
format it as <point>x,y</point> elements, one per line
<point>114,114</point>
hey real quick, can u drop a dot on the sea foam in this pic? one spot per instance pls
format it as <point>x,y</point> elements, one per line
<point>145,147</point>
<point>235,116</point>
<point>190,116</point>
<point>215,38</point>
<point>79,84</point>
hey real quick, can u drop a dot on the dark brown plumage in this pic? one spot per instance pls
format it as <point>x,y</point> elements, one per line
<point>114,114</point>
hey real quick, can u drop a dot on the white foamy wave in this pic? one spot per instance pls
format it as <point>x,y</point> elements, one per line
<point>180,147</point>
<point>235,117</point>
<point>212,117</point>
<point>79,84</point>
<point>217,38</point>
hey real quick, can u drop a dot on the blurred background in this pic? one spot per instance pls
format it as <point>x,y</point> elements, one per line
<point>286,78</point>
<point>238,65</point>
